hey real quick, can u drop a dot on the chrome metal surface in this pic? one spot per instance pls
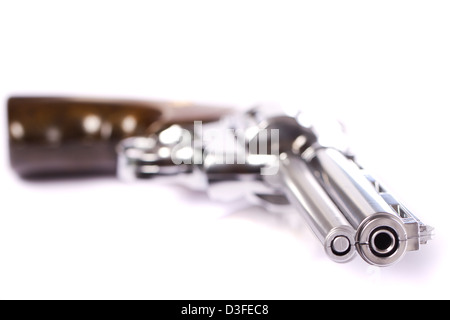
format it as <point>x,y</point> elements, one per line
<point>371,210</point>
<point>383,241</point>
<point>340,245</point>
<point>323,217</point>
<point>283,161</point>
<point>375,225</point>
<point>349,189</point>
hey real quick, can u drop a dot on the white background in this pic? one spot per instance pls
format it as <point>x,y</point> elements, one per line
<point>382,67</point>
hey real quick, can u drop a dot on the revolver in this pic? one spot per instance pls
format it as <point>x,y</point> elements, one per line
<point>279,160</point>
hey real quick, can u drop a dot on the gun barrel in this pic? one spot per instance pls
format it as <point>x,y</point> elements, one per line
<point>381,237</point>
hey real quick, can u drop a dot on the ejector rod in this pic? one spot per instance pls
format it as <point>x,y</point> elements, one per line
<point>323,217</point>
<point>381,237</point>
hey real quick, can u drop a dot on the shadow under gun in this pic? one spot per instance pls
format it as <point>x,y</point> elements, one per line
<point>278,160</point>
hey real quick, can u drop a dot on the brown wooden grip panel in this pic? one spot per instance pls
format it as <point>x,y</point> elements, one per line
<point>51,136</point>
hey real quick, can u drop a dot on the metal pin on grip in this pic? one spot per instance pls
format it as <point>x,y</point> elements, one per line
<point>272,158</point>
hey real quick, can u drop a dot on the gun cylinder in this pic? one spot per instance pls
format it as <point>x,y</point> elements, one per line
<point>380,234</point>
<point>57,136</point>
<point>324,218</point>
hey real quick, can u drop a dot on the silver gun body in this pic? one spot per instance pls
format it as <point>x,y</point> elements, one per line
<point>284,161</point>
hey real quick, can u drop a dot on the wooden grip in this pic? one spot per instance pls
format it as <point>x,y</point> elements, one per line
<point>51,136</point>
